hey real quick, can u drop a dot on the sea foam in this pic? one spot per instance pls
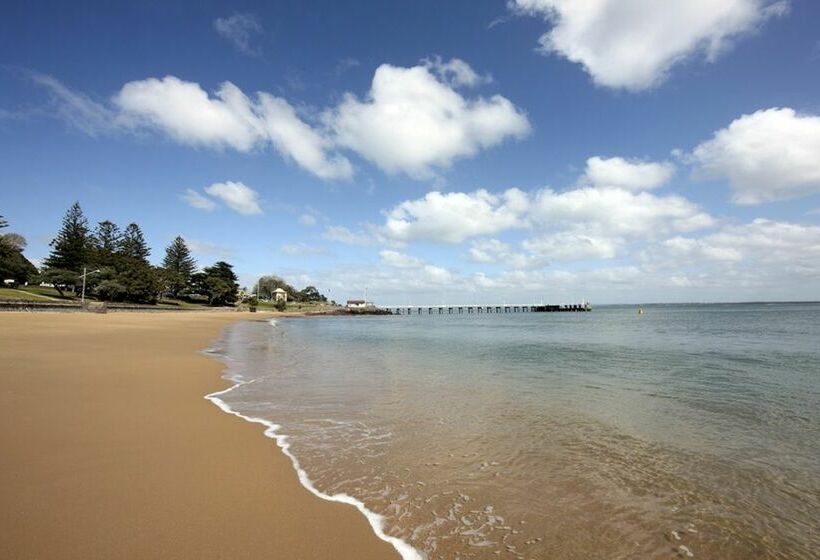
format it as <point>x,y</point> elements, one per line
<point>376,521</point>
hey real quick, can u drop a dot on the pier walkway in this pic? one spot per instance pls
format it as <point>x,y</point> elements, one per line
<point>475,309</point>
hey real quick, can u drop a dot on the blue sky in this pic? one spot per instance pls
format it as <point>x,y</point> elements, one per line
<point>620,151</point>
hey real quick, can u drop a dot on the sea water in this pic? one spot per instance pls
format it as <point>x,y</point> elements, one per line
<point>688,431</point>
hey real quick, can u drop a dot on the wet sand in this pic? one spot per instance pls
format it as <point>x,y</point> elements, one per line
<point>109,450</point>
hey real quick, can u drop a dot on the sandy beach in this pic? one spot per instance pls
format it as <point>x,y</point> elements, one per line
<point>109,450</point>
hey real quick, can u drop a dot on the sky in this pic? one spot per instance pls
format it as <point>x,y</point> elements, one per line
<point>616,151</point>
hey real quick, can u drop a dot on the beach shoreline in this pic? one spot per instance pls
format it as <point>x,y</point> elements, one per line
<point>111,451</point>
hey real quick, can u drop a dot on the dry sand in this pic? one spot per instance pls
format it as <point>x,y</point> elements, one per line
<point>109,450</point>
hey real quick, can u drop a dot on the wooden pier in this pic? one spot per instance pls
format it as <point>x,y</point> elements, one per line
<point>476,309</point>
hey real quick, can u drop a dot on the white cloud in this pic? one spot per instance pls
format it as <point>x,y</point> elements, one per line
<point>78,109</point>
<point>189,115</point>
<point>229,119</point>
<point>760,257</point>
<point>572,246</point>
<point>399,260</point>
<point>633,44</point>
<point>495,251</point>
<point>208,249</point>
<point>341,234</point>
<point>240,29</point>
<point>456,72</point>
<point>609,212</point>
<point>307,219</point>
<point>302,250</point>
<point>196,200</point>
<point>421,272</point>
<point>237,196</point>
<point>767,241</point>
<point>773,154</point>
<point>456,216</point>
<point>411,122</point>
<point>632,175</point>
<point>296,139</point>
<point>488,250</point>
<point>437,275</point>
<point>688,248</point>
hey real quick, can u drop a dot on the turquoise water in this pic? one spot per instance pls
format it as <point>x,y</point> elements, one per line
<point>691,429</point>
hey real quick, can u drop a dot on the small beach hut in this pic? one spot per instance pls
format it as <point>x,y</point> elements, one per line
<point>280,295</point>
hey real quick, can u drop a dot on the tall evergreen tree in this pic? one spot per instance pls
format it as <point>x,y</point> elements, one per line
<point>70,249</point>
<point>218,283</point>
<point>133,244</point>
<point>179,266</point>
<point>107,238</point>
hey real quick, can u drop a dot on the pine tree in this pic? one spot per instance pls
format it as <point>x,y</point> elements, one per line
<point>70,249</point>
<point>133,244</point>
<point>107,238</point>
<point>179,265</point>
<point>218,283</point>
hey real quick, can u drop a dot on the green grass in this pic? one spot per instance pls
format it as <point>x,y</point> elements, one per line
<point>182,304</point>
<point>48,292</point>
<point>15,294</point>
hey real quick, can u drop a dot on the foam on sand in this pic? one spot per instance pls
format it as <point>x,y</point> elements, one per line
<point>376,521</point>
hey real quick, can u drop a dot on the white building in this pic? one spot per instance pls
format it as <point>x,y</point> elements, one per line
<point>280,295</point>
<point>358,303</point>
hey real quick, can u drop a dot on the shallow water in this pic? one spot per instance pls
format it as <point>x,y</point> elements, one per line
<point>589,435</point>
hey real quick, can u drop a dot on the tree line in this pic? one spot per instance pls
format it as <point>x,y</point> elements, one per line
<point>267,286</point>
<point>116,265</point>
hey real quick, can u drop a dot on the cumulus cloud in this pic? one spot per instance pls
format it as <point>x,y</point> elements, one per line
<point>773,257</point>
<point>426,273</point>
<point>456,72</point>
<point>756,260</point>
<point>495,251</point>
<point>237,196</point>
<point>632,175</point>
<point>186,112</point>
<point>208,249</point>
<point>240,30</point>
<point>769,155</point>
<point>413,122</point>
<point>299,141</point>
<point>399,260</point>
<point>618,212</point>
<point>767,241</point>
<point>197,200</point>
<point>698,249</point>
<point>342,234</point>
<point>578,224</point>
<point>456,216</point>
<point>633,44</point>
<point>229,119</point>
<point>302,250</point>
<point>573,246</point>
